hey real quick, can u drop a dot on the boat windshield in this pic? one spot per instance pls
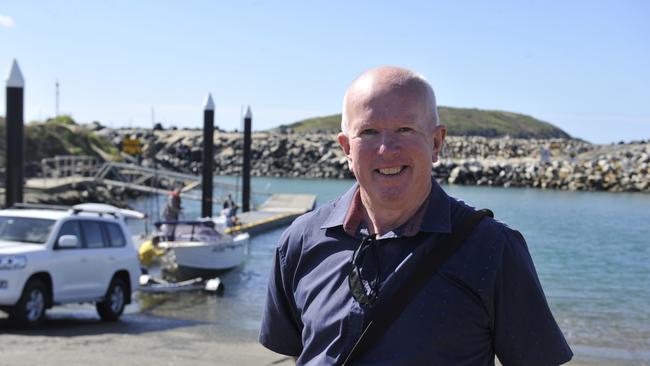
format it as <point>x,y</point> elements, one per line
<point>25,229</point>
<point>196,233</point>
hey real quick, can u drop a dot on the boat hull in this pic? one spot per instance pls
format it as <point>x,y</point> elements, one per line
<point>205,258</point>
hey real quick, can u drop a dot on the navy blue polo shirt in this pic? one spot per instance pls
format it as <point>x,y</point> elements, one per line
<point>485,299</point>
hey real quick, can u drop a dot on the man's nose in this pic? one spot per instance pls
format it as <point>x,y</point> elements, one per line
<point>389,143</point>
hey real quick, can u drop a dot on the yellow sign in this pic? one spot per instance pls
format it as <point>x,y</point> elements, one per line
<point>132,146</point>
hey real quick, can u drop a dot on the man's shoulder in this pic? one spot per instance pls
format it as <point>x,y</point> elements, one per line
<point>494,228</point>
<point>491,246</point>
<point>488,230</point>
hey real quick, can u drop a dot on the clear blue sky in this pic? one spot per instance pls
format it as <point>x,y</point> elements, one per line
<point>582,65</point>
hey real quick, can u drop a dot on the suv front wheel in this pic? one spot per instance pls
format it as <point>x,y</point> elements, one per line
<point>113,304</point>
<point>29,311</point>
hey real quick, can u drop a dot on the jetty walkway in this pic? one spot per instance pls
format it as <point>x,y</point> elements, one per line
<point>278,210</point>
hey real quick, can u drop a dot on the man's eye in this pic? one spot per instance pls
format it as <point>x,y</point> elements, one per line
<point>368,131</point>
<point>404,129</point>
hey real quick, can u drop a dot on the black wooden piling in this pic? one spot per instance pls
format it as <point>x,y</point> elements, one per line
<point>208,157</point>
<point>15,139</point>
<point>246,189</point>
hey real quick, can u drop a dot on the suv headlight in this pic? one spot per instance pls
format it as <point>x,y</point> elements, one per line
<point>13,261</point>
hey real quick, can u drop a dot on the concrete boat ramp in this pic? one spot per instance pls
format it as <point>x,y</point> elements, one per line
<point>278,210</point>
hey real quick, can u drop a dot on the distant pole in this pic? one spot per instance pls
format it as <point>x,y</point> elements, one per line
<point>56,109</point>
<point>208,157</point>
<point>246,189</point>
<point>14,128</point>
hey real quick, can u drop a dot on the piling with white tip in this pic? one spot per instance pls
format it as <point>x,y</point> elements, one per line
<point>208,157</point>
<point>15,77</point>
<point>246,186</point>
<point>209,103</point>
<point>15,135</point>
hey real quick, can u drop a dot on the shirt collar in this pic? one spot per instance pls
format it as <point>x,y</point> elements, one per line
<point>341,207</point>
<point>436,218</point>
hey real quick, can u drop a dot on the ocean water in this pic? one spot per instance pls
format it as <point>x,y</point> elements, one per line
<point>591,251</point>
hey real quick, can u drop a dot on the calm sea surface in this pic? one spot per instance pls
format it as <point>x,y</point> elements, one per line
<point>591,251</point>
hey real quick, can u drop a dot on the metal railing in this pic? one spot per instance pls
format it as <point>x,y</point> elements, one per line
<point>70,165</point>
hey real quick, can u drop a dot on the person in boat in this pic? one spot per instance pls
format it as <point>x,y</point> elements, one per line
<point>230,211</point>
<point>337,267</point>
<point>229,206</point>
<point>173,207</point>
<point>171,212</point>
<point>229,202</point>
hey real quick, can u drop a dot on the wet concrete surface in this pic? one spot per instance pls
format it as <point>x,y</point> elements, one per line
<point>167,329</point>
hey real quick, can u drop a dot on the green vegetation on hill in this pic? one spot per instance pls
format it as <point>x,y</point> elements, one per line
<point>57,136</point>
<point>460,122</point>
<point>476,122</point>
<point>325,124</point>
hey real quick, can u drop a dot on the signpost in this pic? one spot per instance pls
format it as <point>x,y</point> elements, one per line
<point>132,146</point>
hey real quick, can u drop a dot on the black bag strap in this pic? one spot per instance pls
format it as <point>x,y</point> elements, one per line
<point>388,311</point>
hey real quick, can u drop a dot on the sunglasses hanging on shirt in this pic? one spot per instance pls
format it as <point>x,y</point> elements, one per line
<point>365,292</point>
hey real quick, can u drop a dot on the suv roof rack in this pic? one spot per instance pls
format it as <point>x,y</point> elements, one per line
<point>104,209</point>
<point>40,206</point>
<point>90,208</point>
<point>76,211</point>
<point>96,208</point>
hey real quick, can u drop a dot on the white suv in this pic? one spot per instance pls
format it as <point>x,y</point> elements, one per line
<point>53,255</point>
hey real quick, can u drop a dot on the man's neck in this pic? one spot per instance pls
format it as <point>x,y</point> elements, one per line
<point>384,218</point>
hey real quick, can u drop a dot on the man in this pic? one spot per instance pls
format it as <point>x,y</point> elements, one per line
<point>173,207</point>
<point>230,211</point>
<point>149,251</point>
<point>228,202</point>
<point>485,298</point>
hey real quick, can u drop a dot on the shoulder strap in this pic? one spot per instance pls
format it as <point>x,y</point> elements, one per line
<point>389,310</point>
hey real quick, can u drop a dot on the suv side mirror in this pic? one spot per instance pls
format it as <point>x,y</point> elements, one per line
<point>67,242</point>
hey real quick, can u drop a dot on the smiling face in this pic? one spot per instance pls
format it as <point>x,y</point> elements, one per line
<point>391,139</point>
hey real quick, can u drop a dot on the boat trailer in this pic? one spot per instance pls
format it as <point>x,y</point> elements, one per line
<point>151,284</point>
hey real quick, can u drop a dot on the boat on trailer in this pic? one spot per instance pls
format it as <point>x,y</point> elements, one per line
<point>200,248</point>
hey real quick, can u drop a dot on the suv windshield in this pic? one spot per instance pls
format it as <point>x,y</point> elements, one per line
<point>25,229</point>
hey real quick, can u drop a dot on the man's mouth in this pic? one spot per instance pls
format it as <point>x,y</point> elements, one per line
<point>391,171</point>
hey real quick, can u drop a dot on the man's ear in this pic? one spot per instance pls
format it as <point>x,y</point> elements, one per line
<point>344,143</point>
<point>439,134</point>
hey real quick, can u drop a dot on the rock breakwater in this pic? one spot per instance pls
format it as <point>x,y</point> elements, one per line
<point>506,162</point>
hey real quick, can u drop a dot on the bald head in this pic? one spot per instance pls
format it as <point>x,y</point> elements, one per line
<point>381,81</point>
